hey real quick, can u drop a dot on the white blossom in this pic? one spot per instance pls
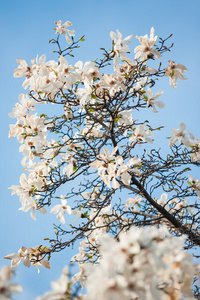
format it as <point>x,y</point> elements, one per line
<point>151,100</point>
<point>145,50</point>
<point>140,134</point>
<point>180,135</point>
<point>195,184</point>
<point>62,29</point>
<point>175,71</point>
<point>133,202</point>
<point>60,210</point>
<point>120,47</point>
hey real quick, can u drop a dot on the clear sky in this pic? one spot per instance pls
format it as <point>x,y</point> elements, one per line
<point>26,27</point>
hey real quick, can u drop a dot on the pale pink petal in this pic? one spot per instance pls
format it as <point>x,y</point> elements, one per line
<point>26,261</point>
<point>115,184</point>
<point>113,35</point>
<point>14,288</point>
<point>69,210</point>
<point>45,263</point>
<point>60,216</point>
<point>186,141</point>
<point>172,141</point>
<point>134,161</point>
<point>56,209</point>
<point>156,53</point>
<point>96,164</point>
<point>160,104</point>
<point>33,213</point>
<point>126,178</point>
<point>14,255</point>
<point>182,126</point>
<point>182,67</point>
<point>42,210</point>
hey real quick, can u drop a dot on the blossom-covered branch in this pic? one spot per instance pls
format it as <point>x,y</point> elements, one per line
<point>99,140</point>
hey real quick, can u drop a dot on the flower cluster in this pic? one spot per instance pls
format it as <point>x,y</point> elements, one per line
<point>144,264</point>
<point>175,205</point>
<point>110,167</point>
<point>34,256</point>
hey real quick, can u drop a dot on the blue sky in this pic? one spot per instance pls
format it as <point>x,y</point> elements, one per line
<point>26,27</point>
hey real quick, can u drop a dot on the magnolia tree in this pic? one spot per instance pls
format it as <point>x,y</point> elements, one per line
<point>136,208</point>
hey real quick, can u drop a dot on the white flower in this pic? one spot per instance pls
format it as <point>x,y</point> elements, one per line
<point>174,71</point>
<point>37,258</point>
<point>140,83</point>
<point>113,83</point>
<point>61,29</point>
<point>163,201</point>
<point>89,72</point>
<point>180,135</point>
<point>151,101</point>
<point>61,209</point>
<point>145,50</point>
<point>112,174</point>
<point>133,202</point>
<point>113,166</point>
<point>124,170</point>
<point>195,184</point>
<point>33,206</point>
<point>106,157</point>
<point>19,111</point>
<point>91,129</point>
<point>23,254</point>
<point>70,168</point>
<point>23,69</point>
<point>107,168</point>
<point>181,206</point>
<point>140,134</point>
<point>84,94</point>
<point>125,68</point>
<point>196,148</point>
<point>125,117</point>
<point>24,190</point>
<point>120,47</point>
